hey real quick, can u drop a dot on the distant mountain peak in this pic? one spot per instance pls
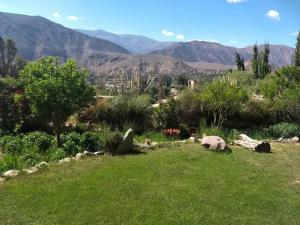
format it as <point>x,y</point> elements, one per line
<point>137,44</point>
<point>36,36</point>
<point>211,52</point>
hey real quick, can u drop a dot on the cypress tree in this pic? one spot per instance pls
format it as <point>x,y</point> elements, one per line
<point>297,51</point>
<point>239,62</point>
<point>255,61</point>
<point>266,68</point>
<point>2,56</point>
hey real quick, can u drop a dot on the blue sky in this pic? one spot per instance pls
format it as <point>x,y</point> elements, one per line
<point>230,22</point>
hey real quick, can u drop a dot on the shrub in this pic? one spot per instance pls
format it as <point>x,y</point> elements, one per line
<point>167,115</point>
<point>30,156</point>
<point>112,141</point>
<point>10,162</point>
<point>11,144</point>
<point>223,98</point>
<point>81,128</point>
<point>231,135</point>
<point>190,107</point>
<point>153,136</point>
<point>56,154</point>
<point>212,131</point>
<point>41,140</point>
<point>184,132</point>
<point>284,130</point>
<point>120,112</point>
<point>92,142</point>
<point>72,143</point>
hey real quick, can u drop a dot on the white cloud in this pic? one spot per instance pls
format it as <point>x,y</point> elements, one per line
<point>180,37</point>
<point>72,18</point>
<point>273,14</point>
<point>294,33</point>
<point>235,1</point>
<point>167,33</point>
<point>3,7</point>
<point>56,14</point>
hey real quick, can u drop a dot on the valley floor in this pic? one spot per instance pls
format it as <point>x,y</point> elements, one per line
<point>178,185</point>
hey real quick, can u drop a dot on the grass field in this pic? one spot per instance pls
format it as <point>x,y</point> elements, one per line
<point>178,185</point>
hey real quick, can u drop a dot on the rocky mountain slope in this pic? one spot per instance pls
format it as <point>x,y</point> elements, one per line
<point>36,36</point>
<point>200,51</point>
<point>134,43</point>
<point>155,64</point>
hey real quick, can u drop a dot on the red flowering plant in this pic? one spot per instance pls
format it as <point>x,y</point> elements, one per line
<point>172,132</point>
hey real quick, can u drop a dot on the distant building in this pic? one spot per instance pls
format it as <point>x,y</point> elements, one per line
<point>191,84</point>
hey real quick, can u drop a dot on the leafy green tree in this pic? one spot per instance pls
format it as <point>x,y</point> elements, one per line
<point>56,91</point>
<point>8,108</point>
<point>291,99</point>
<point>239,62</point>
<point>297,51</point>
<point>282,90</point>
<point>223,98</point>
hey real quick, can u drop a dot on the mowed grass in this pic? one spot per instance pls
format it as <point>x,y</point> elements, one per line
<point>176,185</point>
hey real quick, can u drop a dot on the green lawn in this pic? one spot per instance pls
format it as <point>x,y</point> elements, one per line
<point>182,185</point>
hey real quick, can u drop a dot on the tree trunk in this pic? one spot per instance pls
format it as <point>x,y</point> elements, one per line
<point>215,118</point>
<point>253,145</point>
<point>57,130</point>
<point>58,140</point>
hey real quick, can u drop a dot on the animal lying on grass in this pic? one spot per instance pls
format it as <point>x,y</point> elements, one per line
<point>213,143</point>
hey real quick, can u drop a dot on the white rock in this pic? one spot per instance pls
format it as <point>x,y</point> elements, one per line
<point>98,153</point>
<point>154,143</point>
<point>65,160</point>
<point>295,139</point>
<point>11,173</point>
<point>88,154</point>
<point>31,170</point>
<point>2,180</point>
<point>192,139</point>
<point>42,165</point>
<point>79,156</point>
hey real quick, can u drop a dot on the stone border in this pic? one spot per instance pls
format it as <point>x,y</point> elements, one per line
<point>42,165</point>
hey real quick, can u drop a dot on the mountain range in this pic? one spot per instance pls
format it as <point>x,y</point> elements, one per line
<point>105,52</point>
<point>200,51</point>
<point>36,36</point>
<point>136,44</point>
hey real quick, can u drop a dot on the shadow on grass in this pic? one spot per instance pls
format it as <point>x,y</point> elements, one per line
<point>227,150</point>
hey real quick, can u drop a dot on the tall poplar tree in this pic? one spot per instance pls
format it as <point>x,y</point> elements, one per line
<point>255,61</point>
<point>297,51</point>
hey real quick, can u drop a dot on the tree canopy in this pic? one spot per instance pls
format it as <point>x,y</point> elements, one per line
<point>223,98</point>
<point>56,91</point>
